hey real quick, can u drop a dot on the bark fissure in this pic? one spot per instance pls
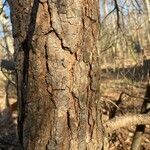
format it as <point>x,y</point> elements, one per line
<point>55,30</point>
<point>68,120</point>
<point>26,47</point>
<point>23,92</point>
<point>47,73</point>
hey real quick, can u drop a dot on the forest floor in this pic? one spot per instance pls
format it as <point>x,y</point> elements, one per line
<point>131,102</point>
<point>124,89</point>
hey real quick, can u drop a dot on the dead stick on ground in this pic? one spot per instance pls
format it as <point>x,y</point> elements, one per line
<point>126,121</point>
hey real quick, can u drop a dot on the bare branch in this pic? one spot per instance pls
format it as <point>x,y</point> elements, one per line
<point>138,5</point>
<point>108,14</point>
<point>117,11</point>
<point>1,9</point>
<point>126,120</point>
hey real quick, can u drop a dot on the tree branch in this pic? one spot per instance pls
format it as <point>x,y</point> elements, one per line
<point>1,9</point>
<point>117,12</point>
<point>126,120</point>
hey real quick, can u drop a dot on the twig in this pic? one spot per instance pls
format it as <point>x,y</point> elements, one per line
<point>107,48</point>
<point>138,5</point>
<point>108,14</point>
<point>114,109</point>
<point>4,73</point>
<point>1,9</point>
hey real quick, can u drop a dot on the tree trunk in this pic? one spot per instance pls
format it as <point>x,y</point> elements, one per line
<point>58,74</point>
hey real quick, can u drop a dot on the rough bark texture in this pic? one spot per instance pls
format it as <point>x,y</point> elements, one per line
<point>58,73</point>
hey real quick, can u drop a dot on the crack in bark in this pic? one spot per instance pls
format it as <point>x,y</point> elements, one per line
<point>55,31</point>
<point>68,120</point>
<point>48,71</point>
<point>90,76</point>
<point>42,1</point>
<point>90,126</point>
<point>92,20</point>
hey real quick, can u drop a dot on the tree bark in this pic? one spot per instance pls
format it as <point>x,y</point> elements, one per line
<point>58,74</point>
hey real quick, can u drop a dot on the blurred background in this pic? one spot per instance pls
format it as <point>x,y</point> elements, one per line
<point>125,63</point>
<point>8,105</point>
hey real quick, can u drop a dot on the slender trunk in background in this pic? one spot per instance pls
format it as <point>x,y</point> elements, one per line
<point>105,8</point>
<point>147,2</point>
<point>57,74</point>
<point>7,41</point>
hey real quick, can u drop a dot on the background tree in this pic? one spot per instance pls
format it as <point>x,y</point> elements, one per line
<point>6,46</point>
<point>8,137</point>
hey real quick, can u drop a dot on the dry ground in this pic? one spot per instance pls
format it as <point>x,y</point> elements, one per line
<point>131,82</point>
